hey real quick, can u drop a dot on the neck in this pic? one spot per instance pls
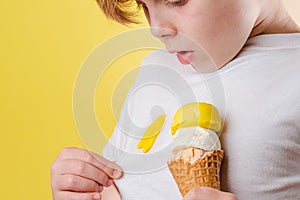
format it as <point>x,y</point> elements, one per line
<point>274,20</point>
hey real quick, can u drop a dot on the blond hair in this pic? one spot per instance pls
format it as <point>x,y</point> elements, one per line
<point>119,10</point>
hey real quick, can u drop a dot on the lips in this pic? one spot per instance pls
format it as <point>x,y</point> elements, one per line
<point>185,57</point>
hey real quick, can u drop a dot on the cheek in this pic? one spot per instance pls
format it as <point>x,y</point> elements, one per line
<point>215,18</point>
<point>222,29</point>
<point>203,21</point>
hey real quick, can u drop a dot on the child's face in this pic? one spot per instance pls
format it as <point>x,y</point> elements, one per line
<point>220,26</point>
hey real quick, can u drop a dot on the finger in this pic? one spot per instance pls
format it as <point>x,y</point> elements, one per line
<point>78,184</point>
<point>115,171</point>
<point>109,167</point>
<point>208,193</point>
<point>66,195</point>
<point>83,169</point>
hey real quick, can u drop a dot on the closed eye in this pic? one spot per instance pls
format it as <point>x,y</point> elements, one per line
<point>173,3</point>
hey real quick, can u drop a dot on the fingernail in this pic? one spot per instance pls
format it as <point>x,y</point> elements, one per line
<point>96,196</point>
<point>117,173</point>
<point>100,188</point>
<point>109,182</point>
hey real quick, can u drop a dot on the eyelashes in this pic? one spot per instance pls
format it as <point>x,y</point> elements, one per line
<point>174,3</point>
<point>169,3</point>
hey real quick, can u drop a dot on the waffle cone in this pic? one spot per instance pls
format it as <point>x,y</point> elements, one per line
<point>196,167</point>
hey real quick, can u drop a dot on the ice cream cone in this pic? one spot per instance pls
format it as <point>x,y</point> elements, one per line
<point>192,167</point>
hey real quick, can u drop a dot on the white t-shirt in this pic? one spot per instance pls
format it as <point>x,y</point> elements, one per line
<point>258,95</point>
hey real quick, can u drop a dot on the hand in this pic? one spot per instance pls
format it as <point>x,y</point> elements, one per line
<point>207,193</point>
<point>80,174</point>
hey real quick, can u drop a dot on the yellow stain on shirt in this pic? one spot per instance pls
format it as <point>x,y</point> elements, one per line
<point>151,134</point>
<point>197,114</point>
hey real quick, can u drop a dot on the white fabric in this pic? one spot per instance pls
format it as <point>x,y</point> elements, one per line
<point>258,95</point>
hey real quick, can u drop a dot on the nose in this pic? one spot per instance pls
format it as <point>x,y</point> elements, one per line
<point>161,26</point>
<point>162,32</point>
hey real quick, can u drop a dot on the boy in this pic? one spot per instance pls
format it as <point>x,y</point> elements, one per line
<point>254,46</point>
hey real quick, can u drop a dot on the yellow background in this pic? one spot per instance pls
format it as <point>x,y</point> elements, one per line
<point>43,44</point>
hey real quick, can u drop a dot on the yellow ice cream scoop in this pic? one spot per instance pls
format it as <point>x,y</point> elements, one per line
<point>197,114</point>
